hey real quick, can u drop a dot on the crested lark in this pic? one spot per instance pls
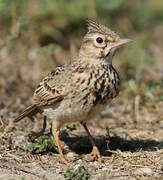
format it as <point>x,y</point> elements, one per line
<point>79,91</point>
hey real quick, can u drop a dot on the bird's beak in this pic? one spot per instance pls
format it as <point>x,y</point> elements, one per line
<point>120,42</point>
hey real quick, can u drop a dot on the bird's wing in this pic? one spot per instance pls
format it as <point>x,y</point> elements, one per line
<point>50,90</point>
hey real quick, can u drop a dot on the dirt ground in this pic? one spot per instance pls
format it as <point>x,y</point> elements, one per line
<point>129,133</point>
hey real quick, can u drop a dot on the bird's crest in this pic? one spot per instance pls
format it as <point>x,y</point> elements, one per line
<point>93,26</point>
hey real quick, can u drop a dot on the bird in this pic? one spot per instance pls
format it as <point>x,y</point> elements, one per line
<point>79,91</point>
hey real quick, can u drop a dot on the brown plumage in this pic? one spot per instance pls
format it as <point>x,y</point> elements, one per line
<point>79,91</point>
<point>29,111</point>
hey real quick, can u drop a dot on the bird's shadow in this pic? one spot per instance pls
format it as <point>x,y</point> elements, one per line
<point>107,144</point>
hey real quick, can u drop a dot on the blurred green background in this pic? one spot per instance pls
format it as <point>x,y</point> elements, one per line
<point>54,29</point>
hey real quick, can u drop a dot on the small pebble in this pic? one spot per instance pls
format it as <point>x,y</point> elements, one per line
<point>146,170</point>
<point>79,161</point>
<point>70,154</point>
<point>95,163</point>
<point>76,166</point>
<point>101,166</point>
<point>105,169</point>
<point>20,142</point>
<point>161,124</point>
<point>52,170</point>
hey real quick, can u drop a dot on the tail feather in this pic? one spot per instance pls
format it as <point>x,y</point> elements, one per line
<point>29,111</point>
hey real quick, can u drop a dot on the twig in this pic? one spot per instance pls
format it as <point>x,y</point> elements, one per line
<point>16,168</point>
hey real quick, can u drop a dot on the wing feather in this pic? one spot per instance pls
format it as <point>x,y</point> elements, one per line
<point>49,91</point>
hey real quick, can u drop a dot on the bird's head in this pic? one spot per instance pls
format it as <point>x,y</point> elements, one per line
<point>100,42</point>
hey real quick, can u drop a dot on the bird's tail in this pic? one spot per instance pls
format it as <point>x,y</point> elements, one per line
<point>29,111</point>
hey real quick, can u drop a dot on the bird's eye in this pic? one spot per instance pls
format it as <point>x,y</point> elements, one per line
<point>99,40</point>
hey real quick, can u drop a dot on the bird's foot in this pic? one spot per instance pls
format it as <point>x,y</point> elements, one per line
<point>96,154</point>
<point>64,160</point>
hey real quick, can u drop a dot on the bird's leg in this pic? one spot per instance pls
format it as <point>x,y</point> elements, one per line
<point>56,137</point>
<point>37,134</point>
<point>95,152</point>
